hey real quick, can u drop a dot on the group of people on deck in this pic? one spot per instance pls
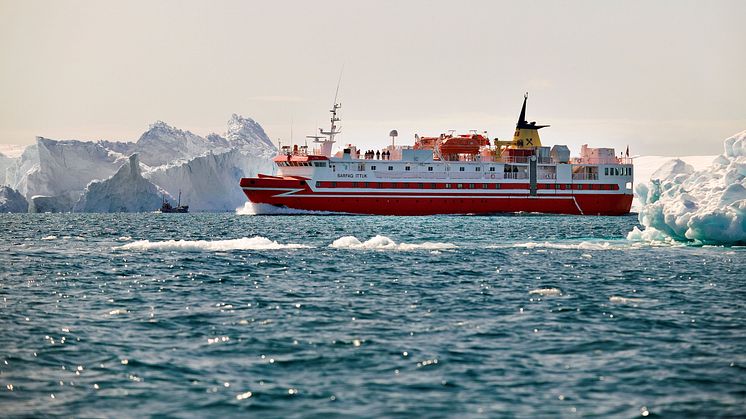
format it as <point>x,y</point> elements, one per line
<point>378,155</point>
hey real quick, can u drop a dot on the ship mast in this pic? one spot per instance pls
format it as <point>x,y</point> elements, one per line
<point>326,145</point>
<point>333,129</point>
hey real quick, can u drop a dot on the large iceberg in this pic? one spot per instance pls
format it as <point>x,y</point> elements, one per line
<point>12,201</point>
<point>126,191</point>
<point>706,206</point>
<point>54,174</point>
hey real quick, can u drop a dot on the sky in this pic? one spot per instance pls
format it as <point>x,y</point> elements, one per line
<point>664,77</point>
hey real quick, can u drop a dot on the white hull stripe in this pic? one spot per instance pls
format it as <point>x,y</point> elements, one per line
<point>460,195</point>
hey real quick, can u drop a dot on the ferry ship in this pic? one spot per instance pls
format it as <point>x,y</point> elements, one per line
<point>448,174</point>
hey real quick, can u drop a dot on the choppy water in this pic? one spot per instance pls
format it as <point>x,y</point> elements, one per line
<point>290,317</point>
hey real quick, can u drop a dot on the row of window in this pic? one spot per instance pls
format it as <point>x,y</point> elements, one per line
<point>408,185</point>
<point>361,167</point>
<point>430,168</point>
<point>618,171</point>
<point>301,164</point>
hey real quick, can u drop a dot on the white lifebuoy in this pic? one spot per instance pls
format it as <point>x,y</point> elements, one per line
<point>492,176</point>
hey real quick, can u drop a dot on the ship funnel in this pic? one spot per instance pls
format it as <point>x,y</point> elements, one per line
<point>526,133</point>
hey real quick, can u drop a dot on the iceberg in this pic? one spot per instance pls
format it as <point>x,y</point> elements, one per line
<point>126,191</point>
<point>12,201</point>
<point>706,206</point>
<point>247,134</point>
<point>647,166</point>
<point>210,182</point>
<point>54,167</point>
<point>53,174</point>
<point>162,144</point>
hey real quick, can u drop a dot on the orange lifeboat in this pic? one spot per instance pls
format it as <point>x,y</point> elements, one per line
<point>463,144</point>
<point>453,144</point>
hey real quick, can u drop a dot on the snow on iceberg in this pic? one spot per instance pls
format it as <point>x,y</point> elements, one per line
<point>707,206</point>
<point>12,201</point>
<point>126,191</point>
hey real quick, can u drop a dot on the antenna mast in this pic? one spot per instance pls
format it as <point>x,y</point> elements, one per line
<point>334,129</point>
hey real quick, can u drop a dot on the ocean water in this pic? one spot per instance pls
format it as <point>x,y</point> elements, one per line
<point>201,315</point>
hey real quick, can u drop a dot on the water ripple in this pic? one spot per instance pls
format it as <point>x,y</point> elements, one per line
<point>218,314</point>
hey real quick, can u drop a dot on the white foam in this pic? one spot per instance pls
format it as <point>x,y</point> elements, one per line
<point>706,206</point>
<point>625,300</point>
<point>384,243</point>
<point>245,243</point>
<point>251,208</point>
<point>546,292</point>
<point>635,240</point>
<point>52,237</point>
<point>586,245</point>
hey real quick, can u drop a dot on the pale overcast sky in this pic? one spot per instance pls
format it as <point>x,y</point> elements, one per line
<point>665,77</point>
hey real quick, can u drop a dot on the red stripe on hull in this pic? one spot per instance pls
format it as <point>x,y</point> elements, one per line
<point>294,193</point>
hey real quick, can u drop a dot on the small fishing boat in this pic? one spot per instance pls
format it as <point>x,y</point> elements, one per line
<point>166,206</point>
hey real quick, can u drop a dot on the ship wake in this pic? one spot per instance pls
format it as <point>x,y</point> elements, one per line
<point>251,208</point>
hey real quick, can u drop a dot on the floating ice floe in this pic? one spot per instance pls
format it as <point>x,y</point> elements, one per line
<point>384,243</point>
<point>245,243</point>
<point>546,292</point>
<point>706,206</point>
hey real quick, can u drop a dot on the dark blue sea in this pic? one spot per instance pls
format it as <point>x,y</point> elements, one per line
<point>111,315</point>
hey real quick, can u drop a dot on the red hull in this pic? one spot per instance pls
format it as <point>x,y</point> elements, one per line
<point>296,193</point>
